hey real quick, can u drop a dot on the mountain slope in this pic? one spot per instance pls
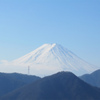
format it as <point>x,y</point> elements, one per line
<point>10,82</point>
<point>49,59</point>
<point>93,78</point>
<point>60,86</point>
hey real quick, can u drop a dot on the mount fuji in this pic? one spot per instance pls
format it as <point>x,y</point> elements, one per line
<point>49,59</point>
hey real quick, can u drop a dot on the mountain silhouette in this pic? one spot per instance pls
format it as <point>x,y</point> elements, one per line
<point>93,78</point>
<point>60,86</point>
<point>10,82</point>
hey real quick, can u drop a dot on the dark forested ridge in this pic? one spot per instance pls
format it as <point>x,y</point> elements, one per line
<point>10,82</point>
<point>60,86</point>
<point>93,78</point>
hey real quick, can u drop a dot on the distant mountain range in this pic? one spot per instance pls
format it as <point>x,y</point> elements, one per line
<point>10,82</point>
<point>92,79</point>
<point>49,59</point>
<point>60,86</point>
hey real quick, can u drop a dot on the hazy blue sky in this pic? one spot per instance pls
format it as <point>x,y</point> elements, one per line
<point>28,24</point>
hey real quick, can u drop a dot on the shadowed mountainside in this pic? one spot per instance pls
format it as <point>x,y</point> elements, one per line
<point>10,82</point>
<point>60,86</point>
<point>92,79</point>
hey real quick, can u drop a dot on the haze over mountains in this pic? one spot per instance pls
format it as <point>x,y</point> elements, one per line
<point>46,60</point>
<point>60,86</point>
<point>49,59</point>
<point>92,79</point>
<point>13,81</point>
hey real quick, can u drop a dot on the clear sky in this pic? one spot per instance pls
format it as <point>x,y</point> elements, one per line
<point>28,24</point>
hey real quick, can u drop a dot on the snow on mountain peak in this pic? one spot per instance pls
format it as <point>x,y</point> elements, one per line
<point>51,58</point>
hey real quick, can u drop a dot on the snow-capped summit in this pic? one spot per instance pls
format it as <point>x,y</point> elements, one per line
<point>51,58</point>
